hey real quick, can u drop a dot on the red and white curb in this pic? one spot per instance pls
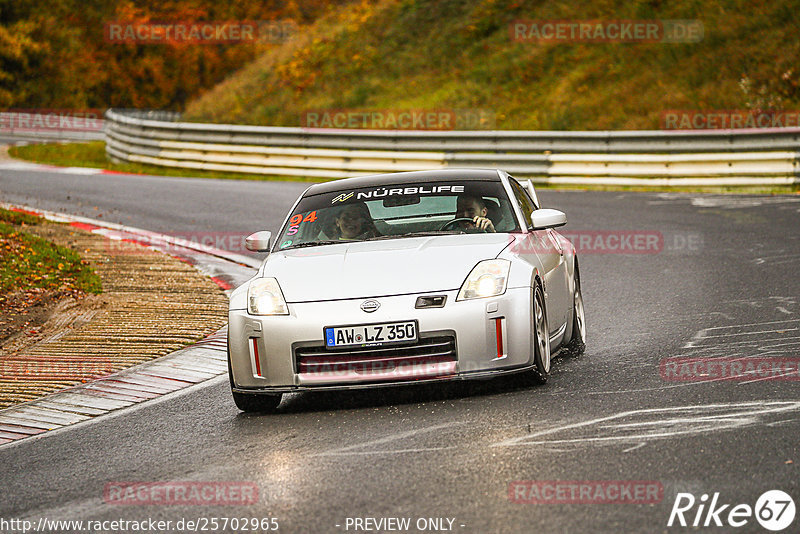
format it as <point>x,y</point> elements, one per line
<point>197,363</point>
<point>205,360</point>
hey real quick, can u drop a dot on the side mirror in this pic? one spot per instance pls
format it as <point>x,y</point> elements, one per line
<point>259,241</point>
<point>547,218</point>
<point>532,192</point>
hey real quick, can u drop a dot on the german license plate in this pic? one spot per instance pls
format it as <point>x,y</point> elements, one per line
<point>370,334</point>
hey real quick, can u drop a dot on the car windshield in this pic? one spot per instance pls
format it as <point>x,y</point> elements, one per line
<point>398,211</point>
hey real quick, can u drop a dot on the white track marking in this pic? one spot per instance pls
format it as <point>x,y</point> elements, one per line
<point>782,422</point>
<point>776,331</point>
<point>639,446</point>
<point>771,377</point>
<point>394,451</point>
<point>677,421</point>
<point>387,439</point>
<point>697,338</point>
<point>725,315</point>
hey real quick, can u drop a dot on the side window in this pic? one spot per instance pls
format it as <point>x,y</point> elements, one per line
<point>524,201</point>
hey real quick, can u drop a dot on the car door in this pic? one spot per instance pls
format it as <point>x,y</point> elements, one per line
<point>545,246</point>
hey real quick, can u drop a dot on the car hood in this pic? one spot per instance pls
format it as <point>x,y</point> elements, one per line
<point>380,268</point>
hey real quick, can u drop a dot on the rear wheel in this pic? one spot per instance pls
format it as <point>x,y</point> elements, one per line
<point>248,402</point>
<point>541,339</point>
<point>577,342</point>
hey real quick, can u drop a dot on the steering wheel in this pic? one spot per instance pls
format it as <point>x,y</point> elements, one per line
<point>458,220</point>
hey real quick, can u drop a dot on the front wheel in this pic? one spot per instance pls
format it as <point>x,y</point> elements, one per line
<point>577,342</point>
<point>248,402</point>
<point>256,403</point>
<point>541,339</point>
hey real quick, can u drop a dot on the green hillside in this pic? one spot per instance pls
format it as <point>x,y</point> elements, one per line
<point>448,54</point>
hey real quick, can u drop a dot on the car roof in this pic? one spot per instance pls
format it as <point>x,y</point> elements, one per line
<point>377,180</point>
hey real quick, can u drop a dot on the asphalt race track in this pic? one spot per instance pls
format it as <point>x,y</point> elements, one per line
<point>721,284</point>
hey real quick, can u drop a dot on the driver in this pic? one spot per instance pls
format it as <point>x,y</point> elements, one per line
<point>354,222</point>
<point>473,207</point>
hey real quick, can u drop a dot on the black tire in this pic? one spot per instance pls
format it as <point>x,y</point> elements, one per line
<point>251,403</point>
<point>577,342</point>
<point>541,339</point>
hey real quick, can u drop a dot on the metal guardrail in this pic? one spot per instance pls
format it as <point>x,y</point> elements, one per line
<point>712,157</point>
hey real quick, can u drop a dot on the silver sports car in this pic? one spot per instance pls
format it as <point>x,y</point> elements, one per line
<point>403,278</point>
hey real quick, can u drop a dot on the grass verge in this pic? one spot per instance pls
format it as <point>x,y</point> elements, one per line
<point>93,155</point>
<point>35,274</point>
<point>28,261</point>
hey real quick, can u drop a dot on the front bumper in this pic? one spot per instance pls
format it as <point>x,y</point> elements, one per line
<point>490,336</point>
<point>475,375</point>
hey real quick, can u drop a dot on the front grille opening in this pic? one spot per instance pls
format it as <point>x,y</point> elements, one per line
<point>317,359</point>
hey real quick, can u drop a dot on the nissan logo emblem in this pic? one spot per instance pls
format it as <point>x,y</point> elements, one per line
<point>370,306</point>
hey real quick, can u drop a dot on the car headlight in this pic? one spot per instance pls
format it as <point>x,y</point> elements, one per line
<point>264,297</point>
<point>488,279</point>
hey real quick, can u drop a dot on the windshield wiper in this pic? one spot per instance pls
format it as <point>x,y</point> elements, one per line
<point>313,244</point>
<point>414,234</point>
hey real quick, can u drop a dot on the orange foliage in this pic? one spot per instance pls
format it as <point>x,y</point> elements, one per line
<point>56,54</point>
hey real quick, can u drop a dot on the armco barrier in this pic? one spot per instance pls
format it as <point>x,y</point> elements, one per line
<point>683,157</point>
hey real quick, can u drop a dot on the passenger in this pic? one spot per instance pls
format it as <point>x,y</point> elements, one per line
<point>354,222</point>
<point>474,208</point>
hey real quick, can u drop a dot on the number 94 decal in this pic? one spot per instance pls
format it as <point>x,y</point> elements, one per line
<point>298,219</point>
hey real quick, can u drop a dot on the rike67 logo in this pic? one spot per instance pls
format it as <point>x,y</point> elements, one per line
<point>774,510</point>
